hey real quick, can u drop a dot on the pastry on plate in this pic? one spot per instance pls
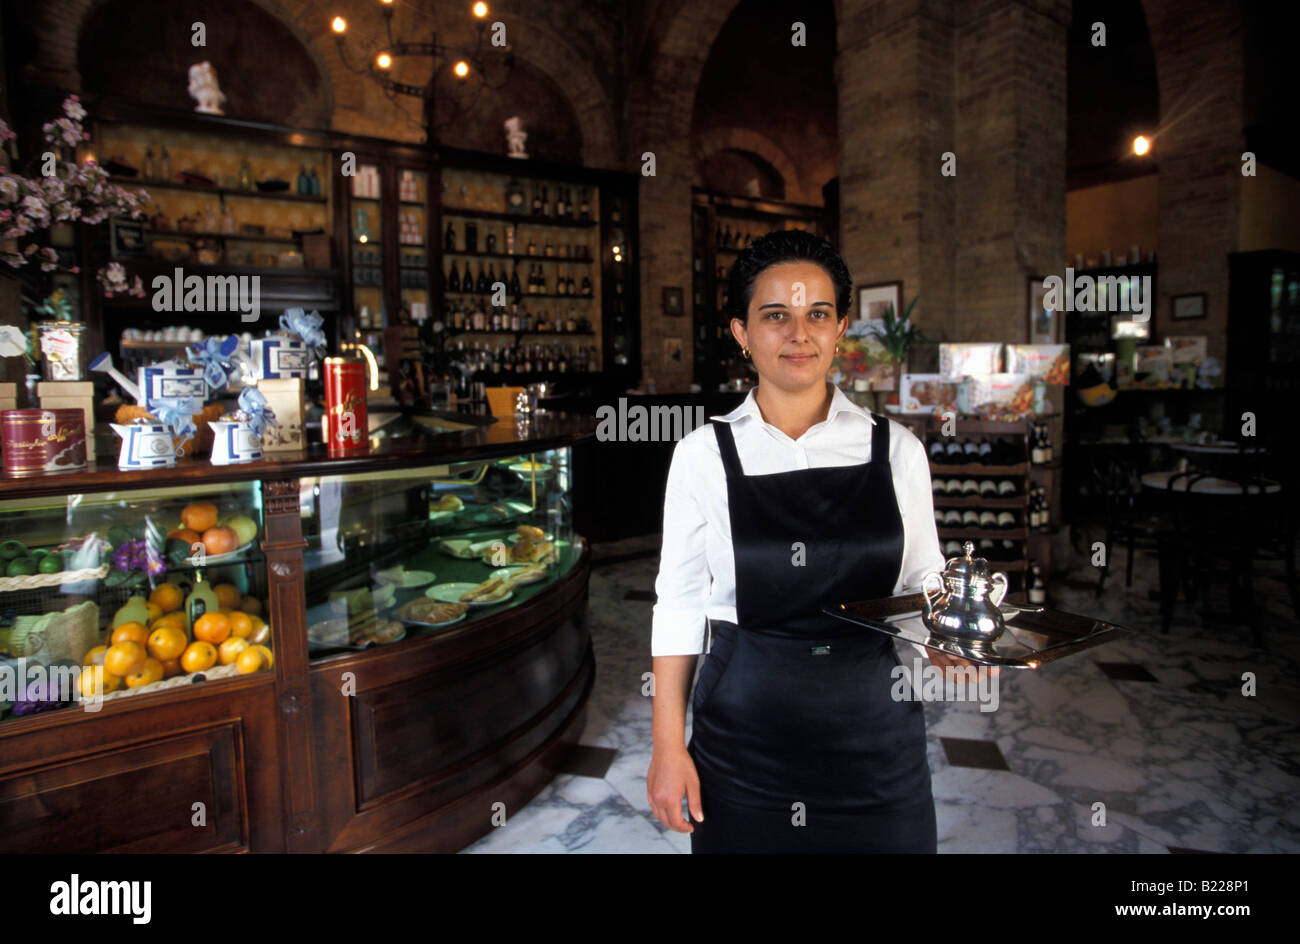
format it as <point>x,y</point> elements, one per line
<point>428,610</point>
<point>448,502</point>
<point>487,590</point>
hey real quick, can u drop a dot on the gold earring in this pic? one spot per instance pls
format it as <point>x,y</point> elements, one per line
<point>745,351</point>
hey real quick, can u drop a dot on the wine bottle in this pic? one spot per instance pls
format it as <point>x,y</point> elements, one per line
<point>537,200</point>
<point>547,209</point>
<point>491,241</point>
<point>492,277</point>
<point>453,280</point>
<point>450,240</point>
<point>586,206</point>
<point>1036,591</point>
<point>559,202</point>
<point>481,286</point>
<point>586,286</point>
<point>515,289</point>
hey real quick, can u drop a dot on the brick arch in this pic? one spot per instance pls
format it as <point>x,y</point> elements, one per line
<point>742,139</point>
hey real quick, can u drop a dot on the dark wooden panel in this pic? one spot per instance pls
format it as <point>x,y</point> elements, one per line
<point>413,730</point>
<point>126,777</point>
<point>136,800</point>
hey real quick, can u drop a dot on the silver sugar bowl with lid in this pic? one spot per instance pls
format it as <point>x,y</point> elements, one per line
<point>964,606</point>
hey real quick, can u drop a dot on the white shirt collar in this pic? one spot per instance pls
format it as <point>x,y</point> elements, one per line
<point>840,403</point>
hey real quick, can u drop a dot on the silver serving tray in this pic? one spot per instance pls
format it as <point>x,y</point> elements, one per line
<point>1034,638</point>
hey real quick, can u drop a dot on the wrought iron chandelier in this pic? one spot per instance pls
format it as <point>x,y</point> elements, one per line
<point>469,68</point>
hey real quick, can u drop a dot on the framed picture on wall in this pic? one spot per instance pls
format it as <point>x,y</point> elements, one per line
<point>874,300</point>
<point>1188,307</point>
<point>673,301</point>
<point>1045,325</point>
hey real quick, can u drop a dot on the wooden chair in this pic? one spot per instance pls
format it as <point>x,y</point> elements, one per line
<point>501,400</point>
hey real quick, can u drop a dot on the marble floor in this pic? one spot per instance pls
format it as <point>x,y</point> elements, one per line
<point>1155,728</point>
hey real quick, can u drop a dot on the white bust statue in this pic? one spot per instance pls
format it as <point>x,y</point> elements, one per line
<point>515,137</point>
<point>204,89</point>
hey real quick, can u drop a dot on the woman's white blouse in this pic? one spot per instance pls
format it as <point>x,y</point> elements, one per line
<point>697,578</point>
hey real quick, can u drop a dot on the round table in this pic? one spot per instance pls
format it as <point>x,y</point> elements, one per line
<point>1208,484</point>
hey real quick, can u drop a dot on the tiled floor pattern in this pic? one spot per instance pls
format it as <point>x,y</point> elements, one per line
<point>1155,727</point>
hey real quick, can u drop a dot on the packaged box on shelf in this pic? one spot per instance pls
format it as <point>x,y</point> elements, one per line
<point>87,406</point>
<point>957,361</point>
<point>64,388</point>
<point>927,393</point>
<point>1000,394</point>
<point>8,396</point>
<point>1154,364</point>
<point>1189,348</point>
<point>284,397</point>
<point>1048,362</point>
<point>279,358</point>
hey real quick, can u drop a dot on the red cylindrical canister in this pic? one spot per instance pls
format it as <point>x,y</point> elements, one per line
<point>37,442</point>
<point>347,426</point>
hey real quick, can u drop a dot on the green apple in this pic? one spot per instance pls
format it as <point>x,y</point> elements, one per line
<point>244,527</point>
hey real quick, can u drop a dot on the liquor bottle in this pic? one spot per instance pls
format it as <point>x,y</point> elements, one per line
<point>202,599</point>
<point>726,237</point>
<point>453,280</point>
<point>481,286</point>
<point>515,289</point>
<point>570,289</point>
<point>510,239</point>
<point>245,176</point>
<point>227,218</point>
<point>492,277</point>
<point>1047,444</point>
<point>1044,509</point>
<point>571,323</point>
<point>537,200</point>
<point>586,206</point>
<point>586,286</point>
<point>550,249</point>
<point>547,210</point>
<point>315,183</point>
<point>532,246</point>
<point>150,169</point>
<point>304,182</point>
<point>550,359</point>
<point>559,203</point>
<point>1034,517</point>
<point>450,240</point>
<point>165,169</point>
<point>514,318</point>
<point>491,241</point>
<point>516,199</point>
<point>1036,589</point>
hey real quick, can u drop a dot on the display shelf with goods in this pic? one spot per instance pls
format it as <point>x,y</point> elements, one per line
<point>227,198</point>
<point>722,225</point>
<point>537,263</point>
<point>987,486</point>
<point>279,759</point>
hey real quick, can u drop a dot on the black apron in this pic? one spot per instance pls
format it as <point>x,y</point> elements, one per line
<point>792,706</point>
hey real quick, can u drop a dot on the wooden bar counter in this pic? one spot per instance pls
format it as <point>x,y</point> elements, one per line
<point>408,746</point>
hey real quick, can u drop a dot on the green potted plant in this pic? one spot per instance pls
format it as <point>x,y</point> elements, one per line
<point>897,335</point>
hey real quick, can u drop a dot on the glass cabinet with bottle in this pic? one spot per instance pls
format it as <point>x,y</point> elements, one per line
<point>396,554</point>
<point>114,594</point>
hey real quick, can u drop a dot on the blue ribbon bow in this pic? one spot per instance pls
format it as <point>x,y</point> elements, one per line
<point>253,402</point>
<point>306,327</point>
<point>214,354</point>
<point>176,413</point>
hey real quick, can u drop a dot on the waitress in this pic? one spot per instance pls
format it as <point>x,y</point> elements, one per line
<point>795,499</point>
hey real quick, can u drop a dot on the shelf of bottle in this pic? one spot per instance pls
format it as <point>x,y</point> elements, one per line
<point>218,191</point>
<point>977,469</point>
<point>227,237</point>
<point>941,500</point>
<point>522,256</point>
<point>518,334</point>
<point>405,244</point>
<point>518,218</point>
<point>412,203</point>
<point>974,534</point>
<point>356,199</point>
<point>484,295</point>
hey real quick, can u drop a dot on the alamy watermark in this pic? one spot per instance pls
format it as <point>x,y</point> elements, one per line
<point>1110,293</point>
<point>212,293</point>
<point>925,681</point>
<point>640,423</point>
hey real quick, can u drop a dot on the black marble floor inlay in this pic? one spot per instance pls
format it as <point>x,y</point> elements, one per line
<point>966,752</point>
<point>587,761</point>
<point>1126,672</point>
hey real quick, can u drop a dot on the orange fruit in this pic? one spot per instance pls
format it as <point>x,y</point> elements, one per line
<point>167,642</point>
<point>125,657</point>
<point>241,624</point>
<point>167,597</point>
<point>95,681</point>
<point>95,656</point>
<point>133,631</point>
<point>249,661</point>
<point>176,619</point>
<point>229,650</point>
<point>212,627</point>
<point>220,541</point>
<point>151,671</point>
<point>266,655</point>
<point>228,595</point>
<point>188,535</point>
<point>155,611</point>
<point>251,605</point>
<point>171,667</point>
<point>261,631</point>
<point>199,516</point>
<point>199,656</point>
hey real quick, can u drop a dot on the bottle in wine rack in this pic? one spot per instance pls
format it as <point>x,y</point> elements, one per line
<point>1036,586</point>
<point>453,280</point>
<point>450,239</point>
